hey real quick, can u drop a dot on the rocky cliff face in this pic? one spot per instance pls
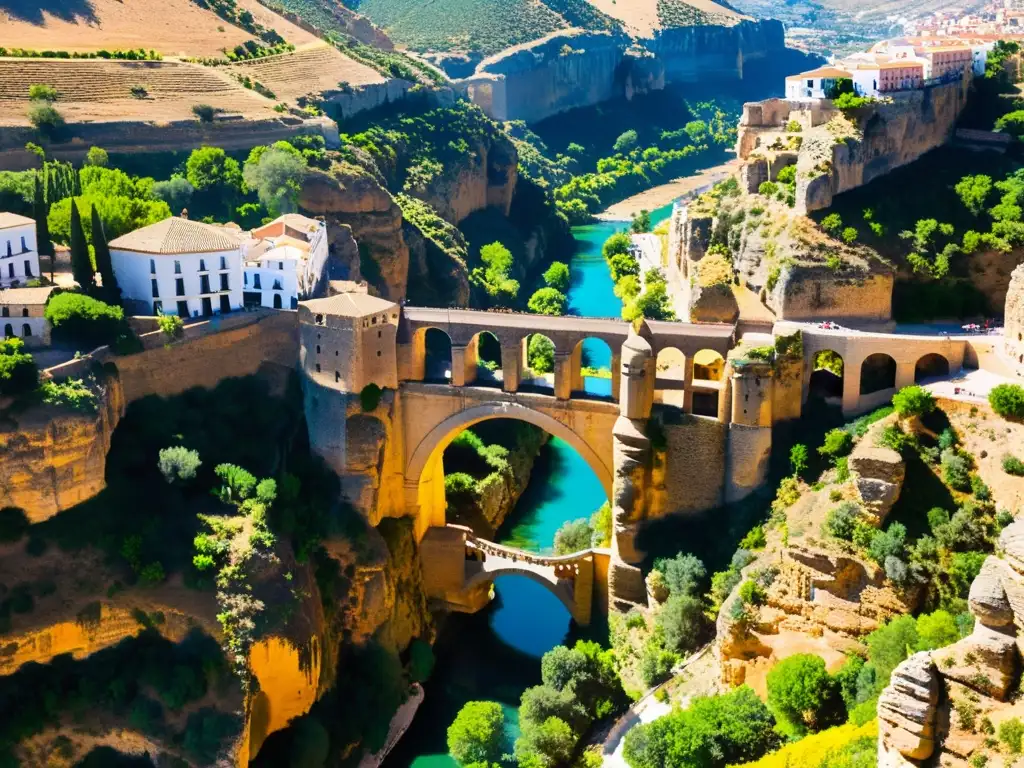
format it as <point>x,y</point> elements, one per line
<point>700,53</point>
<point>53,458</point>
<point>936,700</point>
<point>573,68</point>
<point>889,134</point>
<point>357,205</point>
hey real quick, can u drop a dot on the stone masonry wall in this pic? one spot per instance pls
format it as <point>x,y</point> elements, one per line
<point>689,475</point>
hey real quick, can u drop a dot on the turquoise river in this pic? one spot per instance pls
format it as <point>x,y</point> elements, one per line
<point>495,655</point>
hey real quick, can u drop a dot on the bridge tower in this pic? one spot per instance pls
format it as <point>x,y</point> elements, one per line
<point>631,454</point>
<point>346,342</point>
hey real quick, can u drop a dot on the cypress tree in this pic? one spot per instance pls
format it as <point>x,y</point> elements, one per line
<point>103,263</point>
<point>81,265</point>
<point>44,245</point>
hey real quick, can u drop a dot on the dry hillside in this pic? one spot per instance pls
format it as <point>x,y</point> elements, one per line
<point>645,17</point>
<point>97,90</point>
<point>315,67</point>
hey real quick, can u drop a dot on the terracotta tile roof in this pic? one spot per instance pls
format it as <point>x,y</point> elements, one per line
<point>350,305</point>
<point>821,72</point>
<point>177,235</point>
<point>25,296</point>
<point>8,220</point>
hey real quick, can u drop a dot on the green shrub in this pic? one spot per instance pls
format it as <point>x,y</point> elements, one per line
<point>913,401</point>
<point>754,539</point>
<point>18,372</point>
<point>204,112</point>
<point>838,442</point>
<point>1011,732</point>
<point>1007,400</point>
<point>573,536</point>
<point>70,393</point>
<point>801,694</point>
<point>1013,466</point>
<point>832,223</point>
<point>80,319</point>
<point>177,463</point>
<point>842,521</point>
<point>476,733</point>
<point>798,458</point>
<point>979,489</point>
<point>45,117</point>
<point>956,470</point>
<point>42,93</point>
<point>172,326</point>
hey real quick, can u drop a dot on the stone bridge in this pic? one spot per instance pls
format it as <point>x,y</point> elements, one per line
<point>877,365</point>
<point>459,569</point>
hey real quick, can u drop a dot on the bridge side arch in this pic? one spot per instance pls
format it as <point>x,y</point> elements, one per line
<point>560,591</point>
<point>437,439</point>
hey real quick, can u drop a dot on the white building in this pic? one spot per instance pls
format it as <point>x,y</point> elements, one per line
<point>21,315</point>
<point>180,267</point>
<point>19,255</point>
<point>815,84</point>
<point>284,262</point>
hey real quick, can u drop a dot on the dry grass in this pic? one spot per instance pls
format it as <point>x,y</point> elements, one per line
<point>100,91</point>
<point>641,16</point>
<point>313,68</point>
<point>173,27</point>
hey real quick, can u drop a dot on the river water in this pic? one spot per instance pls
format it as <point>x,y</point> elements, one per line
<point>495,655</point>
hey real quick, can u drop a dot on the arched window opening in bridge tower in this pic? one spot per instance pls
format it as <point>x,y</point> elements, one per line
<point>591,366</point>
<point>877,373</point>
<point>708,374</point>
<point>930,367</point>
<point>438,356</point>
<point>539,373</point>
<point>483,360</point>
<point>670,378</point>
<point>827,371</point>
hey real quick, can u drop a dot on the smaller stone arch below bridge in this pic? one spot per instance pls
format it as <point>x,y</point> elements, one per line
<point>459,569</point>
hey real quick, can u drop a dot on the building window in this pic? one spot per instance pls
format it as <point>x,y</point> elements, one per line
<point>202,265</point>
<point>379,334</point>
<point>26,329</point>
<point>9,251</point>
<point>277,285</point>
<point>158,307</point>
<point>156,288</point>
<point>204,284</point>
<point>318,349</point>
<point>10,270</point>
<point>378,353</point>
<point>374,321</point>
<point>225,303</point>
<point>24,246</point>
<point>223,262</point>
<point>318,367</point>
<point>256,282</point>
<point>177,267</point>
<point>183,310</point>
<point>152,266</point>
<point>9,331</point>
<point>5,311</point>
<point>179,287</point>
<point>224,283</point>
<point>280,266</point>
<point>277,301</point>
<point>24,311</point>
<point>337,377</point>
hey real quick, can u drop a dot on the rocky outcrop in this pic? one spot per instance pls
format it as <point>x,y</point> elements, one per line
<point>890,135</point>
<point>986,660</point>
<point>878,476</point>
<point>52,458</point>
<point>906,708</point>
<point>350,196</point>
<point>1013,333</point>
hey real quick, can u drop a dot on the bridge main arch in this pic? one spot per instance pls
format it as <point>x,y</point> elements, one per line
<point>424,470</point>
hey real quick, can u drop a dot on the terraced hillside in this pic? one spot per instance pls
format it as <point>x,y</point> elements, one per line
<point>98,90</point>
<point>484,27</point>
<point>316,68</point>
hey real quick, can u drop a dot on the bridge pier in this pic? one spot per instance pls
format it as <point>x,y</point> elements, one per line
<point>905,372</point>
<point>511,367</point>
<point>616,374</point>
<point>688,384</point>
<point>460,376</point>
<point>564,375</point>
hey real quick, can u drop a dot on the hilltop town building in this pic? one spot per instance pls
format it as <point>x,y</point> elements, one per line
<point>815,84</point>
<point>191,269</point>
<point>284,262</point>
<point>19,256</point>
<point>21,315</point>
<point>180,267</point>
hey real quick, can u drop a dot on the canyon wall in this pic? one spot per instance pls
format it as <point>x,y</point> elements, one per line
<point>52,458</point>
<point>573,68</point>
<point>702,53</point>
<point>889,135</point>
